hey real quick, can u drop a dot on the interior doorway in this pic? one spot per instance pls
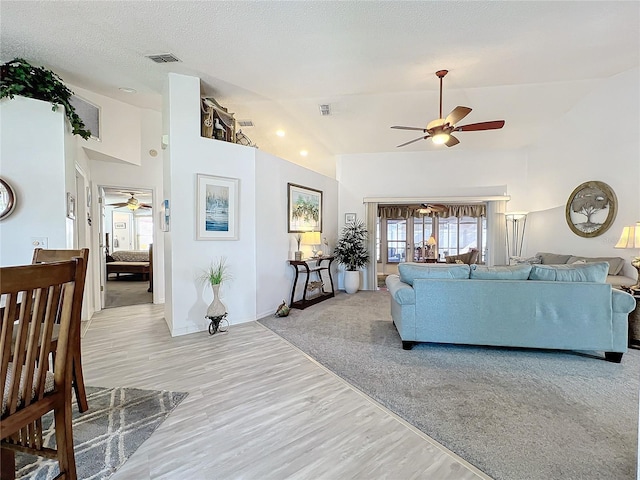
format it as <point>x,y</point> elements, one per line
<point>127,229</point>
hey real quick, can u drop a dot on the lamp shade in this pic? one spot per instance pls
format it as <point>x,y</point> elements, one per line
<point>431,240</point>
<point>630,237</point>
<point>311,238</point>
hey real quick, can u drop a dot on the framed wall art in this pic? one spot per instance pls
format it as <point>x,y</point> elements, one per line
<point>304,209</point>
<point>591,209</point>
<point>349,218</point>
<point>217,208</point>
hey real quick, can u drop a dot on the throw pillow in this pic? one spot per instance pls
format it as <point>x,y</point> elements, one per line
<point>535,260</point>
<point>552,258</point>
<point>588,272</point>
<point>411,271</point>
<point>615,263</point>
<point>459,262</point>
<point>511,272</point>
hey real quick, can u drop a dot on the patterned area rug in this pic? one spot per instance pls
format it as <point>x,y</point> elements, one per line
<point>118,421</point>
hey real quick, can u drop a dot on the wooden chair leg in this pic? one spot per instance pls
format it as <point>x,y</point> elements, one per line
<point>7,464</point>
<point>64,441</point>
<point>78,384</point>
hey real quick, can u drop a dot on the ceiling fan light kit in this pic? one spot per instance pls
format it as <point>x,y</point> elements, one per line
<point>440,129</point>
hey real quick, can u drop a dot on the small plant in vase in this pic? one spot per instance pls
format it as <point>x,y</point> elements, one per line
<point>298,253</point>
<point>351,251</point>
<point>215,275</point>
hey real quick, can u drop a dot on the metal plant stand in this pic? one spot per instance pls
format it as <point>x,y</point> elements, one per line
<point>218,324</point>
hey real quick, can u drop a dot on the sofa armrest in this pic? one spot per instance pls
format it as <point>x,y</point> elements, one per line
<point>622,302</point>
<point>403,293</point>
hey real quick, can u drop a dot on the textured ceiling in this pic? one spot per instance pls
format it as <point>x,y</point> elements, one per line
<point>374,62</point>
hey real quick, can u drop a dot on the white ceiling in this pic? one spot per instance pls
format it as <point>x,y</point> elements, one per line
<point>374,62</point>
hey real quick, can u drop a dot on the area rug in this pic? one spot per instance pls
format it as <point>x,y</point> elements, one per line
<point>118,421</point>
<point>513,413</point>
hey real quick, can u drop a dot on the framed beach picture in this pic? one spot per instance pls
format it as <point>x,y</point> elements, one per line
<point>217,208</point>
<point>304,209</point>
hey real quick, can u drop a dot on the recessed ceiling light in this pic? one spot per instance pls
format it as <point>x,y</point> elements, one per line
<point>280,133</point>
<point>127,90</point>
<point>304,153</point>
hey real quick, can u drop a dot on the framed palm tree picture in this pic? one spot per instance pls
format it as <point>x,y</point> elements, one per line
<point>305,209</point>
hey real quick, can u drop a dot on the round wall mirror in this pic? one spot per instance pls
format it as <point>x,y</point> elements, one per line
<point>7,199</point>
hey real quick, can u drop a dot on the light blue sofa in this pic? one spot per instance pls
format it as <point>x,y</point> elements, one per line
<point>566,307</point>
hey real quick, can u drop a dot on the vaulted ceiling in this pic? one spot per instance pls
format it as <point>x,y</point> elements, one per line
<point>275,62</point>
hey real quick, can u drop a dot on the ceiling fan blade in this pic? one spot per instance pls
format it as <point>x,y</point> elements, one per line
<point>118,204</point>
<point>145,205</point>
<point>472,127</point>
<point>410,128</point>
<point>452,141</point>
<point>411,141</point>
<point>457,114</point>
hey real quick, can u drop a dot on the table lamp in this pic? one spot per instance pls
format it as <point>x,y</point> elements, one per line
<point>313,239</point>
<point>630,238</point>
<point>431,247</point>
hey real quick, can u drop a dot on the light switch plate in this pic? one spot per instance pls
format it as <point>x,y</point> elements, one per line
<point>40,242</point>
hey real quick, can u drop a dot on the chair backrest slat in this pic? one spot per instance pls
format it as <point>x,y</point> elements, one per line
<point>46,296</point>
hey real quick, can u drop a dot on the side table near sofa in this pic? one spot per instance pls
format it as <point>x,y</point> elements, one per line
<point>634,321</point>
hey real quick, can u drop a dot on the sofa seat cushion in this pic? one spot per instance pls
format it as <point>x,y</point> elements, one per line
<point>412,271</point>
<point>579,272</point>
<point>620,280</point>
<point>552,258</point>
<point>615,263</point>
<point>512,272</point>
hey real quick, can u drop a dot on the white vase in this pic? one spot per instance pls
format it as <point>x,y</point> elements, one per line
<point>217,308</point>
<point>351,281</point>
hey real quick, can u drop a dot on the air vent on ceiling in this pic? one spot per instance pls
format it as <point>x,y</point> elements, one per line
<point>245,123</point>
<point>325,110</point>
<point>163,58</point>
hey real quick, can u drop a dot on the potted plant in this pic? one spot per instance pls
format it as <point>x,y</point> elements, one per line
<point>215,274</point>
<point>351,251</point>
<point>19,77</point>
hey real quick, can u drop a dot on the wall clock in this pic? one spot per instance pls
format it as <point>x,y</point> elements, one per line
<point>591,209</point>
<point>7,199</point>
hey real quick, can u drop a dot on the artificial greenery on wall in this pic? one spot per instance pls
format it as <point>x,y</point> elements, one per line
<point>19,77</point>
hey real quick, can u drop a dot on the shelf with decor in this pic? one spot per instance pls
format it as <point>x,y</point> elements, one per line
<point>308,267</point>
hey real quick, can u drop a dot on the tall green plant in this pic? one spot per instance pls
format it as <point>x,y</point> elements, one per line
<point>351,249</point>
<point>216,273</point>
<point>19,77</point>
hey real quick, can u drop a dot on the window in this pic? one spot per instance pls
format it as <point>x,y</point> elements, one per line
<point>144,232</point>
<point>407,240</point>
<point>396,241</point>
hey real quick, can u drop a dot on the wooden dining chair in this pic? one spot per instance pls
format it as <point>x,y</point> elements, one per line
<point>34,299</point>
<point>41,255</point>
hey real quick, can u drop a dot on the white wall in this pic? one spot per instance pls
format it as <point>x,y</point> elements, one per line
<point>120,126</point>
<point>258,259</point>
<point>32,160</point>
<point>274,246</point>
<point>580,147</point>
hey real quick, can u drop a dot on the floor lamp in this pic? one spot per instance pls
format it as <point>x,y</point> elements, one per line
<point>516,223</point>
<point>630,238</point>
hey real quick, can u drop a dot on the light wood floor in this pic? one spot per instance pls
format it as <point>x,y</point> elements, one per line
<point>258,408</point>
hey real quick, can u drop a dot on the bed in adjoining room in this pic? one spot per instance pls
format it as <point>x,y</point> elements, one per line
<point>132,262</point>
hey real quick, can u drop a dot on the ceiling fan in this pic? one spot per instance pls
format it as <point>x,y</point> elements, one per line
<point>132,204</point>
<point>440,130</point>
<point>426,208</point>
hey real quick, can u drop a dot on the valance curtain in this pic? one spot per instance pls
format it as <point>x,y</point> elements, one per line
<point>454,210</point>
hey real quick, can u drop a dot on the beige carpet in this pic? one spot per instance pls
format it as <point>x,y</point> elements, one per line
<point>127,290</point>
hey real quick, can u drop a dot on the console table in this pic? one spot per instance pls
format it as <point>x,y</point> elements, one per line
<point>307,267</point>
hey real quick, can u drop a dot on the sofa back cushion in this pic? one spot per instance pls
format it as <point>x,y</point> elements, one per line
<point>578,272</point>
<point>412,271</point>
<point>512,272</point>
<point>615,263</point>
<point>552,258</point>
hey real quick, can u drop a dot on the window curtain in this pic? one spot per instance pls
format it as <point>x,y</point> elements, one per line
<point>410,211</point>
<point>370,273</point>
